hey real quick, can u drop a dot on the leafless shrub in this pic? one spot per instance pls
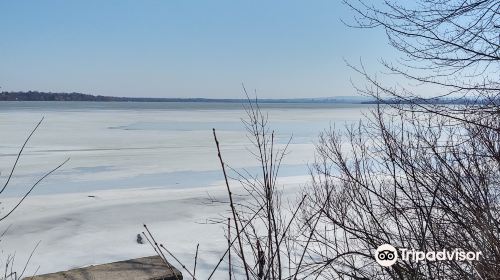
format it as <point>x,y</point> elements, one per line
<point>417,173</point>
<point>262,236</point>
<point>420,185</point>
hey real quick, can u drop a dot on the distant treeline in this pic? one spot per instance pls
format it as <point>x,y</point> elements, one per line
<point>62,96</point>
<point>75,96</point>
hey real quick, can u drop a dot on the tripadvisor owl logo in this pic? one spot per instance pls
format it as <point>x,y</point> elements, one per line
<point>386,255</point>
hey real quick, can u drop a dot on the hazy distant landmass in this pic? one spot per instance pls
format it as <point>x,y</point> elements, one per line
<point>75,96</point>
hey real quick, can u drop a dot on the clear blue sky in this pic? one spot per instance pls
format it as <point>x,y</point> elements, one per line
<point>169,48</point>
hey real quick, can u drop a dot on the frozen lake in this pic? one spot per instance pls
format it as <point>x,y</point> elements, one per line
<point>152,163</point>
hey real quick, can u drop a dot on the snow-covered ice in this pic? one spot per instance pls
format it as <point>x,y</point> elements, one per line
<point>133,164</point>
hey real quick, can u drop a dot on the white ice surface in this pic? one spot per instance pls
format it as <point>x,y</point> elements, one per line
<point>143,166</point>
<point>75,230</point>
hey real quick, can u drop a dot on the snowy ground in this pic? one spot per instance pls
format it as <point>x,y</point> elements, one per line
<point>131,166</point>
